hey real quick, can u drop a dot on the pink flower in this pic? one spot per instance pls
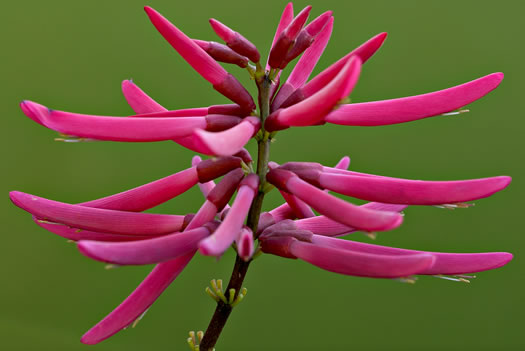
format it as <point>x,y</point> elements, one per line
<point>115,229</point>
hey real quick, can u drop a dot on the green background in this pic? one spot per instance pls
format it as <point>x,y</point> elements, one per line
<point>72,55</point>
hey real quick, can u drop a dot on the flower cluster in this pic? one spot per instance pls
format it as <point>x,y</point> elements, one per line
<point>115,229</point>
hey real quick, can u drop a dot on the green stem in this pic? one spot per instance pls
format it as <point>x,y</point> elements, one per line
<point>223,310</point>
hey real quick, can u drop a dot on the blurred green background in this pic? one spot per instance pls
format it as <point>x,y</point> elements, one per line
<point>72,55</point>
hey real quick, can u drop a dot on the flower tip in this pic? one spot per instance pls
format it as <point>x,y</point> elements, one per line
<point>206,248</point>
<point>34,111</point>
<point>221,30</point>
<point>506,257</point>
<point>17,198</point>
<point>127,82</point>
<point>195,160</point>
<point>397,221</point>
<point>86,248</point>
<point>494,78</point>
<point>497,184</point>
<point>87,339</point>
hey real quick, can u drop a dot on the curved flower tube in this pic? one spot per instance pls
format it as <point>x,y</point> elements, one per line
<point>286,39</point>
<point>412,108</point>
<point>284,21</point>
<point>235,41</point>
<point>139,301</point>
<point>229,229</point>
<point>141,252</point>
<point>312,110</point>
<point>445,263</point>
<point>204,64</point>
<point>404,191</point>
<point>361,264</point>
<point>364,52</point>
<point>304,66</point>
<point>227,142</point>
<point>332,207</point>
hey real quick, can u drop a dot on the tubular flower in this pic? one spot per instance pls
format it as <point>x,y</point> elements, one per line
<point>116,230</point>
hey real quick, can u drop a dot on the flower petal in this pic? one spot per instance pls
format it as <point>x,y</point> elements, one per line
<point>119,128</point>
<point>139,101</point>
<point>304,66</point>
<point>348,262</point>
<point>274,216</point>
<point>149,195</point>
<point>323,225</point>
<point>313,110</point>
<point>361,264</point>
<point>139,301</point>
<point>229,229</point>
<point>80,234</point>
<point>412,192</point>
<point>300,209</point>
<point>306,37</point>
<point>222,53</point>
<point>235,41</point>
<point>287,38</point>
<point>227,142</point>
<point>203,63</point>
<point>364,52</point>
<point>332,207</point>
<point>286,19</point>
<point>95,219</point>
<point>142,252</point>
<point>378,113</point>
<point>445,263</point>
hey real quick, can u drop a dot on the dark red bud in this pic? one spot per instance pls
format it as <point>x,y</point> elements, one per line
<point>233,90</point>
<point>272,123</point>
<point>223,53</point>
<point>298,166</point>
<point>279,51</point>
<point>308,171</point>
<point>244,47</point>
<point>284,225</point>
<point>303,42</point>
<point>279,178</point>
<point>231,109</point>
<point>217,123</point>
<point>278,246</point>
<point>245,156</point>
<point>265,220</point>
<point>299,234</point>
<point>215,167</point>
<point>310,175</point>
<point>223,191</point>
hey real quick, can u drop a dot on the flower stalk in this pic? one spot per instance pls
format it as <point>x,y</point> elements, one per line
<point>223,310</point>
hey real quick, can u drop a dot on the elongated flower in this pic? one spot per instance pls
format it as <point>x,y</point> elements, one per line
<point>115,229</point>
<point>126,129</point>
<point>230,228</point>
<point>359,259</point>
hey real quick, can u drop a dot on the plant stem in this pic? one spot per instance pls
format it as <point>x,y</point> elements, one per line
<point>223,310</point>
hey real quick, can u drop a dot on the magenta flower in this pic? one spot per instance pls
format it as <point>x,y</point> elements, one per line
<point>116,230</point>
